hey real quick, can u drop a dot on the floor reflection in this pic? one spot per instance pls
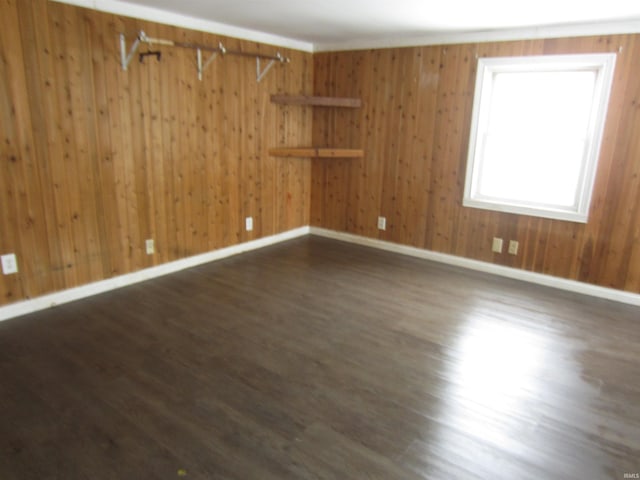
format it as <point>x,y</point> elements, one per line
<point>495,372</point>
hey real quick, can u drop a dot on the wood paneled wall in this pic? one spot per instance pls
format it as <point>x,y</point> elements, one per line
<point>95,160</point>
<point>414,128</point>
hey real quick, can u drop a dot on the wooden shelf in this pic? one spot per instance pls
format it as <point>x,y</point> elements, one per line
<point>316,152</point>
<point>316,101</point>
<point>319,152</point>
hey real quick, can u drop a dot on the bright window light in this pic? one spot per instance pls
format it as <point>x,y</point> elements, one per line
<point>535,135</point>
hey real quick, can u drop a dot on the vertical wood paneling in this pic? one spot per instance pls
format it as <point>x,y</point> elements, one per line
<point>37,76</point>
<point>95,160</point>
<point>414,128</point>
<point>12,160</point>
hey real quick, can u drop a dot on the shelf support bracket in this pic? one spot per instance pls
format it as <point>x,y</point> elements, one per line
<point>125,59</point>
<point>202,67</point>
<point>127,56</point>
<point>261,73</point>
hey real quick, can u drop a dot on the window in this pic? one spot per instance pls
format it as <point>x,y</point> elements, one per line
<point>535,134</point>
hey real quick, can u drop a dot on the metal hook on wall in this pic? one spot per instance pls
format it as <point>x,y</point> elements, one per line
<point>149,53</point>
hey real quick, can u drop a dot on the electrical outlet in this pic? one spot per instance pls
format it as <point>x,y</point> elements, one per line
<point>382,223</point>
<point>497,245</point>
<point>151,248</point>
<point>248,223</point>
<point>9,263</point>
<point>513,247</point>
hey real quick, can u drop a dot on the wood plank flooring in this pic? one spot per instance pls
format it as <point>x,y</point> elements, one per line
<point>316,359</point>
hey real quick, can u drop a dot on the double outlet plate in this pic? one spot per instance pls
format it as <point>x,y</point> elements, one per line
<point>497,246</point>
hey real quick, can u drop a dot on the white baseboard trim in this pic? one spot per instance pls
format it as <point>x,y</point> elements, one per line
<point>57,298</point>
<point>515,273</point>
<point>64,296</point>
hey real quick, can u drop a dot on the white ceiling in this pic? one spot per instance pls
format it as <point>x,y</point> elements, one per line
<point>344,24</point>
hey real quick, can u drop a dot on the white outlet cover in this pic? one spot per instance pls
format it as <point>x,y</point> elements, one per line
<point>382,223</point>
<point>513,247</point>
<point>9,263</point>
<point>248,223</point>
<point>497,245</point>
<point>150,246</point>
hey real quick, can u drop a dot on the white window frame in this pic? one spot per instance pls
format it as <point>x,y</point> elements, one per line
<point>603,65</point>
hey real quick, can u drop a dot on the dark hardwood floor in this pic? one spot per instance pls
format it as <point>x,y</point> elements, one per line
<point>315,359</point>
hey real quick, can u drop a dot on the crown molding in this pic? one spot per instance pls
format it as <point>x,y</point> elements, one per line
<point>157,15</point>
<point>121,7</point>
<point>449,38</point>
